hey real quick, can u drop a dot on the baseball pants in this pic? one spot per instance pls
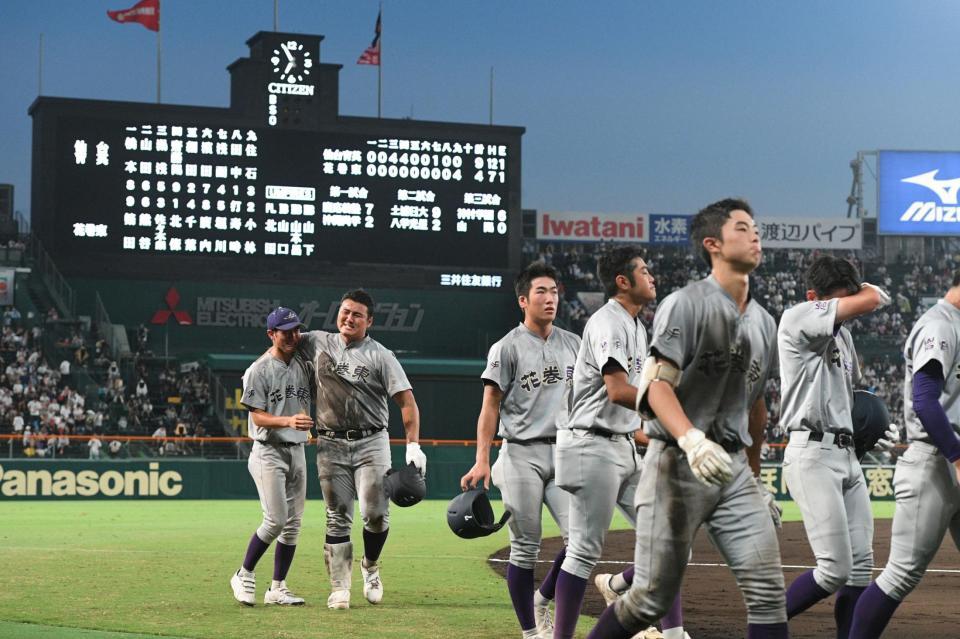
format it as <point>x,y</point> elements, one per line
<point>671,506</point>
<point>354,469</point>
<point>928,504</point>
<point>828,485</point>
<point>599,473</point>
<point>280,473</point>
<point>524,473</point>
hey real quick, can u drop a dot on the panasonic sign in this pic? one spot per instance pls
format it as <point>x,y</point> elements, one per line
<point>917,193</point>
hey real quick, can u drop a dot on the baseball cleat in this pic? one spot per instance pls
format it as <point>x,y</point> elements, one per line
<point>541,615</point>
<point>282,596</point>
<point>649,633</point>
<point>372,586</point>
<point>339,600</point>
<point>244,585</point>
<point>602,582</point>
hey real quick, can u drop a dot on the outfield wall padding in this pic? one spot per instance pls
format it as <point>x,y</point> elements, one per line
<point>166,478</point>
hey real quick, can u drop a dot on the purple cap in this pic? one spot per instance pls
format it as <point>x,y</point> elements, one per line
<point>283,319</point>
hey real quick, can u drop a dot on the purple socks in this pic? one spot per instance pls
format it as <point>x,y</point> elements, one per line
<point>843,611</point>
<point>803,593</point>
<point>872,613</point>
<point>570,589</point>
<point>608,627</point>
<point>674,616</point>
<point>520,585</point>
<point>373,544</point>
<point>282,558</point>
<point>767,631</point>
<point>548,588</point>
<point>255,550</point>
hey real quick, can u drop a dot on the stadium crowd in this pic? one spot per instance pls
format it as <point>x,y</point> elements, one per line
<point>778,284</point>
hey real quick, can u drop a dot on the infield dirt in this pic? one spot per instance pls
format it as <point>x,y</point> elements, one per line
<point>713,607</point>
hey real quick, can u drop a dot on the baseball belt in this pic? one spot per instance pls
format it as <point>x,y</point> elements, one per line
<point>350,435</point>
<point>840,440</point>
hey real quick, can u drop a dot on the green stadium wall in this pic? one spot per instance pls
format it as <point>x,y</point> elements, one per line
<point>229,479</point>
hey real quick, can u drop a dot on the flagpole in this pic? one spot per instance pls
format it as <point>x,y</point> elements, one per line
<point>276,15</point>
<point>380,67</point>
<point>40,69</point>
<point>158,61</point>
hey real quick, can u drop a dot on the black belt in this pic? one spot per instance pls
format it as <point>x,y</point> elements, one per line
<point>350,435</point>
<point>609,434</point>
<point>535,440</point>
<point>729,445</point>
<point>281,443</point>
<point>840,440</point>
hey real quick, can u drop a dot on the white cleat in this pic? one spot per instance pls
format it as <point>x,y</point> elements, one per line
<point>602,582</point>
<point>649,633</point>
<point>244,585</point>
<point>372,586</point>
<point>339,600</point>
<point>282,596</point>
<point>541,615</point>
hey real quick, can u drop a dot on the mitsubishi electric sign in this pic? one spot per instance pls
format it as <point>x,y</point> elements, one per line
<point>917,193</point>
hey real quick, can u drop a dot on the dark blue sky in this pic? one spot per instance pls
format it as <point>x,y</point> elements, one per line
<point>654,107</point>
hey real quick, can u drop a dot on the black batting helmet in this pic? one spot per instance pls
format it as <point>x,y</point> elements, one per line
<point>470,515</point>
<point>871,419</point>
<point>406,486</point>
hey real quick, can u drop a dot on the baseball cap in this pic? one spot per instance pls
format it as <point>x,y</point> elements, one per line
<point>282,319</point>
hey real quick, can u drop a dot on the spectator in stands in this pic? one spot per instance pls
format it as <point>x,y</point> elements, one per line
<point>81,356</point>
<point>141,390</point>
<point>161,436</point>
<point>65,371</point>
<point>11,316</point>
<point>95,445</point>
<point>114,448</point>
<point>143,336</point>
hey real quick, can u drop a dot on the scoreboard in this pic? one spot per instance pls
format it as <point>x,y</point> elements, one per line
<point>293,191</point>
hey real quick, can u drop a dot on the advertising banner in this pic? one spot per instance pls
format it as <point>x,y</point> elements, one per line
<point>592,227</point>
<point>917,193</point>
<point>7,281</point>
<point>669,229</point>
<point>811,233</point>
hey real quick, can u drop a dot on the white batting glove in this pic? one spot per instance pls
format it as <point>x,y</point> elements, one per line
<point>708,461</point>
<point>776,512</point>
<point>416,457</point>
<point>884,298</point>
<point>890,439</point>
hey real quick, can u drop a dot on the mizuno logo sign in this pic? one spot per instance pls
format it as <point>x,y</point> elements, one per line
<point>946,190</point>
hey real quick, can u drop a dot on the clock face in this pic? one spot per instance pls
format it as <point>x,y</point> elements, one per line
<point>292,62</point>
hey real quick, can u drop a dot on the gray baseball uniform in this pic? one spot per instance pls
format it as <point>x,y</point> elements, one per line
<point>353,384</point>
<point>818,370</point>
<point>597,462</point>
<point>723,356</point>
<point>277,463</point>
<point>535,376</point>
<point>924,483</point>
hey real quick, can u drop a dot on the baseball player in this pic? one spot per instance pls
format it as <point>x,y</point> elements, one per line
<point>818,371</point>
<point>354,375</point>
<point>527,385</point>
<point>276,392</point>
<point>597,460</point>
<point>926,480</point>
<point>712,346</point>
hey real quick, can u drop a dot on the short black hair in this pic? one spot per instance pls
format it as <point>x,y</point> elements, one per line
<point>533,271</point>
<point>617,261</point>
<point>360,296</point>
<point>827,274</point>
<point>956,277</point>
<point>709,221</point>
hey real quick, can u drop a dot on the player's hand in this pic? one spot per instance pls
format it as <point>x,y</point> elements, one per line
<point>416,457</point>
<point>884,298</point>
<point>890,439</point>
<point>708,461</point>
<point>776,512</point>
<point>301,422</point>
<point>479,473</point>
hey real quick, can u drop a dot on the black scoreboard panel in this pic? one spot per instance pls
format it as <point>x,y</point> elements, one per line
<point>184,191</point>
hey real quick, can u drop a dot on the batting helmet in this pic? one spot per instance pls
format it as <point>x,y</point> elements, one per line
<point>406,486</point>
<point>470,515</point>
<point>870,421</point>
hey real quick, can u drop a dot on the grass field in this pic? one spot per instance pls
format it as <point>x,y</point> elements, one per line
<point>131,569</point>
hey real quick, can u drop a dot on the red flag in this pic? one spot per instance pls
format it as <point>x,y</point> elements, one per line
<point>372,53</point>
<point>146,12</point>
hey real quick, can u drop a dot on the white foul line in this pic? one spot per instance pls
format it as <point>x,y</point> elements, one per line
<point>945,571</point>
